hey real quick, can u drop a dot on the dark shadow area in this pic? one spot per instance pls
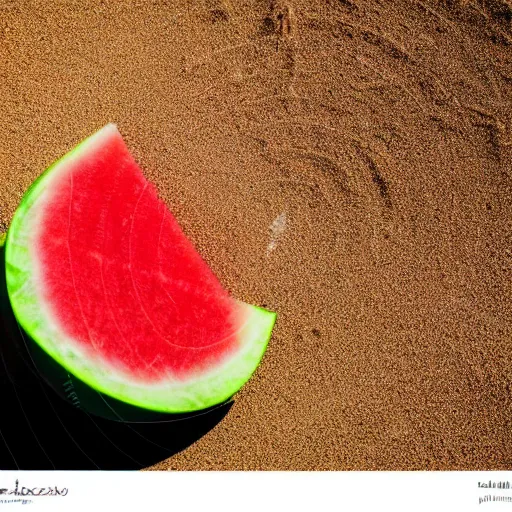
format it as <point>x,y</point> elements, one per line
<point>42,430</point>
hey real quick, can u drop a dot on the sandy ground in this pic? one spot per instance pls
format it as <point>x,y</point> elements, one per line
<point>345,163</point>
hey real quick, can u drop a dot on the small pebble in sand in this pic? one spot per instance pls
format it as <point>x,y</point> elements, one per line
<point>276,229</point>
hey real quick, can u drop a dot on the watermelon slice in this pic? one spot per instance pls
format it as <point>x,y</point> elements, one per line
<point>102,278</point>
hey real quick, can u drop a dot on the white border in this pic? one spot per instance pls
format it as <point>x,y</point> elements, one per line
<point>262,491</point>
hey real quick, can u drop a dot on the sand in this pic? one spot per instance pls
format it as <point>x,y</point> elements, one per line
<point>344,163</point>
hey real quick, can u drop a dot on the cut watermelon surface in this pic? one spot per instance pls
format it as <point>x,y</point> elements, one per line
<point>101,276</point>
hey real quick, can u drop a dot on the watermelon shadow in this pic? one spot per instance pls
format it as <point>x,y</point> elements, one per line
<point>41,429</point>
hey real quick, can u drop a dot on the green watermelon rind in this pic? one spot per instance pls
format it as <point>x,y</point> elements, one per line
<point>169,396</point>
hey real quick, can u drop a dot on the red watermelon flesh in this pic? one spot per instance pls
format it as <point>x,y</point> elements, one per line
<point>101,275</point>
